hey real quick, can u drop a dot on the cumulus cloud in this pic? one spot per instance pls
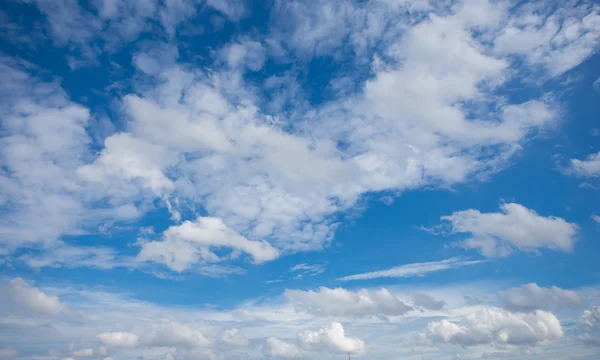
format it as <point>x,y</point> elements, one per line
<point>341,302</point>
<point>493,326</point>
<point>175,334</point>
<point>234,337</point>
<point>119,339</point>
<point>30,297</point>
<point>332,338</point>
<point>590,319</point>
<point>411,270</point>
<point>280,349</point>
<point>531,297</point>
<point>423,112</point>
<point>515,227</point>
<point>185,245</point>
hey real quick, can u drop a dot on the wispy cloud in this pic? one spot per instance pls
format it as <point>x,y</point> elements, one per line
<point>412,270</point>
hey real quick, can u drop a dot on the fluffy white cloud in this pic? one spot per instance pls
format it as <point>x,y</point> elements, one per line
<point>410,270</point>
<point>532,297</point>
<point>234,337</point>
<point>185,245</point>
<point>515,227</point>
<point>332,338</point>
<point>341,302</point>
<point>175,334</point>
<point>26,295</point>
<point>493,326</point>
<point>119,339</point>
<point>280,349</point>
<point>590,319</point>
<point>589,167</point>
<point>558,39</point>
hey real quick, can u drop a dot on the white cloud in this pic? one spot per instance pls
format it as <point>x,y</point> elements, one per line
<point>8,353</point>
<point>590,319</point>
<point>308,270</point>
<point>83,352</point>
<point>244,316</point>
<point>426,113</point>
<point>590,167</point>
<point>175,334</point>
<point>531,297</point>
<point>515,227</point>
<point>411,270</point>
<point>119,339</point>
<point>234,337</point>
<point>332,338</point>
<point>280,349</point>
<point>189,243</point>
<point>557,38</point>
<point>26,295</point>
<point>493,326</point>
<point>341,302</point>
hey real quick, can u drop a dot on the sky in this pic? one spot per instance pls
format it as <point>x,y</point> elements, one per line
<point>286,179</point>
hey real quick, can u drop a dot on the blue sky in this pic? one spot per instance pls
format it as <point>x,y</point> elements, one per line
<point>187,179</point>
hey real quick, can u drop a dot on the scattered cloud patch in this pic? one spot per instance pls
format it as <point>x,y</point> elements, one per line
<point>341,302</point>
<point>33,298</point>
<point>531,297</point>
<point>514,228</point>
<point>413,270</point>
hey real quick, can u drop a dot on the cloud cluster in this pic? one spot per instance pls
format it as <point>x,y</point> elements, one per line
<point>341,302</point>
<point>493,326</point>
<point>426,113</point>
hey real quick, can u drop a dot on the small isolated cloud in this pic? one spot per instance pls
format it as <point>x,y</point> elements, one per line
<point>515,227</point>
<point>332,338</point>
<point>596,218</point>
<point>589,167</point>
<point>341,302</point>
<point>532,297</point>
<point>118,339</point>
<point>280,349</point>
<point>308,270</point>
<point>497,327</point>
<point>234,337</point>
<point>32,298</point>
<point>411,270</point>
<point>191,242</point>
